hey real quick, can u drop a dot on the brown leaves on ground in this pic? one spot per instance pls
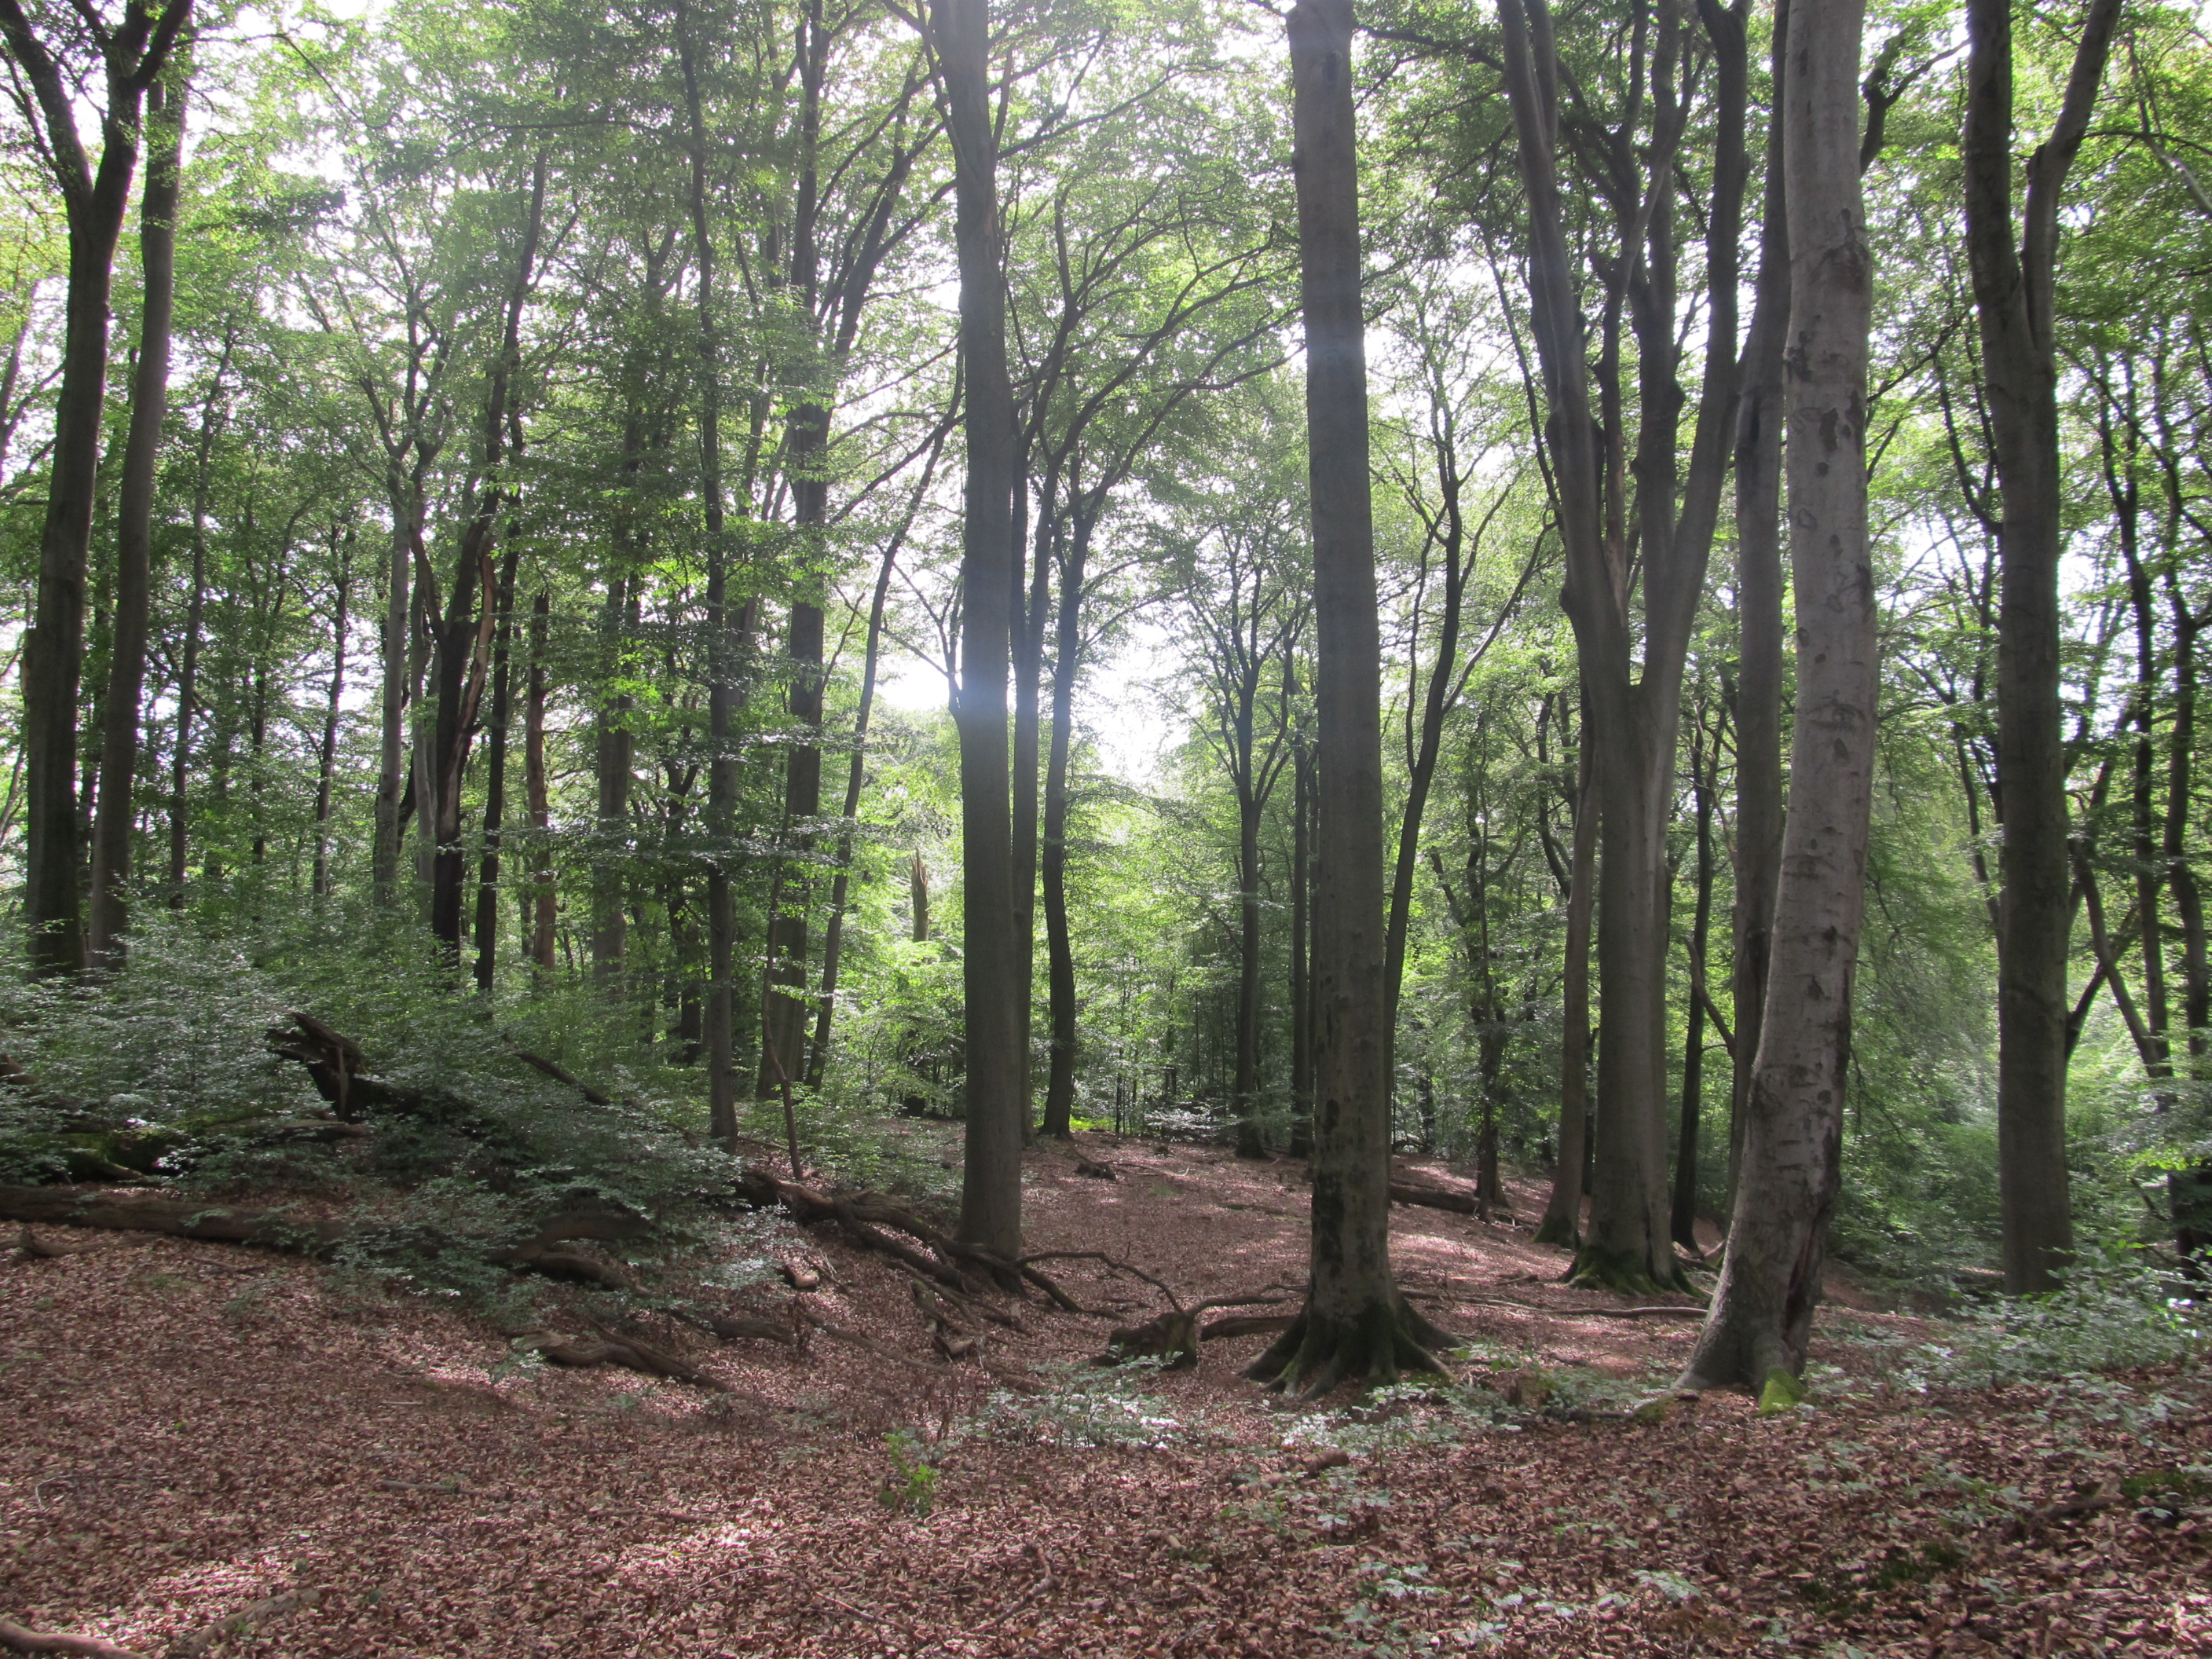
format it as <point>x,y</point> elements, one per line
<point>194,1432</point>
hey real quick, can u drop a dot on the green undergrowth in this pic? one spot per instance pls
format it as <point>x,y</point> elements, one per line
<point>164,1069</point>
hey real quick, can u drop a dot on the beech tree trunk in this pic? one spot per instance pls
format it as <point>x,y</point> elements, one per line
<point>721,1012</point>
<point>1354,1323</point>
<point>991,1182</point>
<point>614,761</point>
<point>1563,1210</point>
<point>1060,951</point>
<point>536,796</point>
<point>1758,621</point>
<point>2012,303</point>
<point>326,760</point>
<point>495,807</point>
<point>188,670</point>
<point>1301,792</point>
<point>95,197</point>
<point>1704,785</point>
<point>116,814</point>
<point>1762,1313</point>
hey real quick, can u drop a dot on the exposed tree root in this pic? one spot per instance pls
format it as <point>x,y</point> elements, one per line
<point>1382,1342</point>
<point>1175,1336</point>
<point>1245,1325</point>
<point>16,1638</point>
<point>196,1643</point>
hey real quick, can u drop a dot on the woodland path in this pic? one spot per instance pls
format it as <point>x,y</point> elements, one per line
<point>190,1429</point>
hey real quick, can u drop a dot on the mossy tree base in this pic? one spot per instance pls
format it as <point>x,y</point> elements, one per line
<point>1620,1272</point>
<point>1386,1341</point>
<point>1558,1230</point>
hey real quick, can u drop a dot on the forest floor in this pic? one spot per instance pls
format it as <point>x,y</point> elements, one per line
<point>192,1429</point>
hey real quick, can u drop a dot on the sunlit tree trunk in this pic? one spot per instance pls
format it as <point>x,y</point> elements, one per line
<point>1762,1313</point>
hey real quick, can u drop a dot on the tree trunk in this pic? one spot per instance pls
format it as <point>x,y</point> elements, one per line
<point>721,1012</point>
<point>399,602</point>
<point>134,525</point>
<point>1060,951</point>
<point>991,1183</point>
<point>1245,1084</point>
<point>1563,1212</point>
<point>1354,1323</point>
<point>1762,1315</point>
<point>327,756</point>
<point>542,898</point>
<point>2012,303</point>
<point>614,759</point>
<point>783,1024</point>
<point>1301,940</point>
<point>188,672</point>
<point>1758,623</point>
<point>494,806</point>
<point>1682,1215</point>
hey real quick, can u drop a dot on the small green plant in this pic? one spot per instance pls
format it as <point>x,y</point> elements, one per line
<point>911,1488</point>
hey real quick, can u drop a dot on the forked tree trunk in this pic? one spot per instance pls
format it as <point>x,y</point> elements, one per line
<point>95,198</point>
<point>116,814</point>
<point>991,1181</point>
<point>1762,1313</point>
<point>2013,299</point>
<point>1354,1323</point>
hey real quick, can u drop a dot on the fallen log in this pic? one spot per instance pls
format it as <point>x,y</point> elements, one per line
<point>630,1352</point>
<point>174,1217</point>
<point>1434,1198</point>
<point>278,1229</point>
<point>21,1640</point>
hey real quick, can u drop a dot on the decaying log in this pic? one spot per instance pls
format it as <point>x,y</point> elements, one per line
<point>176,1217</point>
<point>560,1074</point>
<point>630,1353</point>
<point>1434,1198</point>
<point>16,1638</point>
<point>195,1645</point>
<point>1175,1336</point>
<point>1096,1171</point>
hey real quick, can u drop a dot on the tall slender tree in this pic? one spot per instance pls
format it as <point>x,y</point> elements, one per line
<point>1354,1323</point>
<point>2015,302</point>
<point>1761,1315</point>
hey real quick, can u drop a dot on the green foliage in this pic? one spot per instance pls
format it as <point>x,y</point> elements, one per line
<point>2114,1312</point>
<point>911,1489</point>
<point>1090,1406</point>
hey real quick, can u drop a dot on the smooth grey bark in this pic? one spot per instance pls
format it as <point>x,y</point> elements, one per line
<point>1704,786</point>
<point>1759,420</point>
<point>188,670</point>
<point>721,1012</point>
<point>496,732</point>
<point>1301,884</point>
<point>132,55</point>
<point>116,813</point>
<point>1761,1315</point>
<point>1354,1324</point>
<point>2014,293</point>
<point>1060,950</point>
<point>991,1180</point>
<point>1632,685</point>
<point>1562,1223</point>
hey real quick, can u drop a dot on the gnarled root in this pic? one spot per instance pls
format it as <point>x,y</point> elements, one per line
<point>1380,1344</point>
<point>1597,1269</point>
